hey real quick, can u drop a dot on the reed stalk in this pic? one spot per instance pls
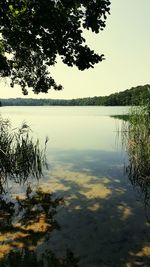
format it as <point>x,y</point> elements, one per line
<point>136,139</point>
<point>20,156</point>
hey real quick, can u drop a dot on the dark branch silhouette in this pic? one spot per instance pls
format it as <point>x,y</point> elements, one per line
<point>33,33</point>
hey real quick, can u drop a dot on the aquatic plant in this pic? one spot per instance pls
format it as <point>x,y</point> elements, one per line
<point>136,139</point>
<point>20,155</point>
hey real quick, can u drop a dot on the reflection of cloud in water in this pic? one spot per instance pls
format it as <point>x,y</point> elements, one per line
<point>125,210</point>
<point>88,185</point>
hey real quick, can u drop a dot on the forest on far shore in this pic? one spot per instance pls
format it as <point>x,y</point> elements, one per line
<point>134,96</point>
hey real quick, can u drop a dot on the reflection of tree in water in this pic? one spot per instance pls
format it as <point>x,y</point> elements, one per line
<point>25,222</point>
<point>35,208</point>
<point>26,258</point>
<point>26,225</point>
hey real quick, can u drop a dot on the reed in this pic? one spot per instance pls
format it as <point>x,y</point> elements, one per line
<point>20,156</point>
<point>136,139</point>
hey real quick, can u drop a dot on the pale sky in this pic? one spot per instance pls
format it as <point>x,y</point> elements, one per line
<point>125,42</point>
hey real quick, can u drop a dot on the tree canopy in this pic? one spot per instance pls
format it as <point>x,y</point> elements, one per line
<point>34,32</point>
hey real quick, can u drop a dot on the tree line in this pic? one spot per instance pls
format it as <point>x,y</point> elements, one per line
<point>134,96</point>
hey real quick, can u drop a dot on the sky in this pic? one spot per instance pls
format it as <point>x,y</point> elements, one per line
<point>125,42</point>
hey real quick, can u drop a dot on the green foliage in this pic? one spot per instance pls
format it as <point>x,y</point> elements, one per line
<point>36,32</point>
<point>133,96</point>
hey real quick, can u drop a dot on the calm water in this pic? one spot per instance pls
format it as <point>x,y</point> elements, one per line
<point>102,220</point>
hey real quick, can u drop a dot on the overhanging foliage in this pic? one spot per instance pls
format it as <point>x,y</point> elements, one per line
<point>34,32</point>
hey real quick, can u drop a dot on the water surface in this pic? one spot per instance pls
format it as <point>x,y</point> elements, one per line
<point>102,220</point>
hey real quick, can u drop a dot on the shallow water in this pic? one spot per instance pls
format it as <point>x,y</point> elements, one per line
<point>102,219</point>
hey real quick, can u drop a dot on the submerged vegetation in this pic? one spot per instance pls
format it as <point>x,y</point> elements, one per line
<point>136,138</point>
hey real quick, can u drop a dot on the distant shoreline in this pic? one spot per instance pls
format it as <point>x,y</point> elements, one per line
<point>133,96</point>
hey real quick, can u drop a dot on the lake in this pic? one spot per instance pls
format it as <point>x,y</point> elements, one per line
<point>102,219</point>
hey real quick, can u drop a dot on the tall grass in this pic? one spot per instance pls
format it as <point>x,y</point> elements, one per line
<point>20,155</point>
<point>136,138</point>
